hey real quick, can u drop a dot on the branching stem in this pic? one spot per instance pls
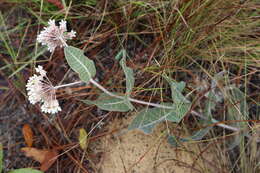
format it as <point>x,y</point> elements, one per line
<point>131,99</point>
<point>148,103</point>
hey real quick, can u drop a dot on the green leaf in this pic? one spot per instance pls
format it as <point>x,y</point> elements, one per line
<point>175,141</point>
<point>1,157</point>
<point>25,170</point>
<point>120,54</point>
<point>210,104</point>
<point>237,107</point>
<point>176,90</point>
<point>148,118</point>
<point>80,63</point>
<point>179,112</point>
<point>212,96</point>
<point>199,134</point>
<point>129,75</point>
<point>109,103</point>
<point>239,101</point>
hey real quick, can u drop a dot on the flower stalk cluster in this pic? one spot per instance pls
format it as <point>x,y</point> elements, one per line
<point>55,36</point>
<point>40,90</point>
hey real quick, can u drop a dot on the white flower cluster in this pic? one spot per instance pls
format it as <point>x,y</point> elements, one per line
<point>41,90</point>
<point>55,36</point>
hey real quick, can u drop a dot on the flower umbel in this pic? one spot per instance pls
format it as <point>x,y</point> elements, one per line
<point>55,36</point>
<point>41,90</point>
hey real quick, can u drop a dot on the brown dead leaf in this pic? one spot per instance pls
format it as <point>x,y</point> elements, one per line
<point>45,157</point>
<point>28,135</point>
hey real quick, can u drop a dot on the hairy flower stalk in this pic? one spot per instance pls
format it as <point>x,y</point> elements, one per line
<point>55,36</point>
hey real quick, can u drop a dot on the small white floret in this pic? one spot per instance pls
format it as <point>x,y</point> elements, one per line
<point>51,107</point>
<point>40,70</point>
<point>34,88</point>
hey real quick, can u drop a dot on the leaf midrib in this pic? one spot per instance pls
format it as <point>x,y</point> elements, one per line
<point>80,64</point>
<point>156,121</point>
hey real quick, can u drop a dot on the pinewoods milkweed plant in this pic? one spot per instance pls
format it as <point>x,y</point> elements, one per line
<point>40,89</point>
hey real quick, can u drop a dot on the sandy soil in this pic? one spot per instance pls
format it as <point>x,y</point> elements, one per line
<point>136,152</point>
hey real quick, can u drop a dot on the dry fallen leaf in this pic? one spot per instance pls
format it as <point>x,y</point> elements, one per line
<point>28,135</point>
<point>83,138</point>
<point>45,157</point>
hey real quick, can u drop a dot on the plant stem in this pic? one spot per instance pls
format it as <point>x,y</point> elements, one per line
<point>131,99</point>
<point>161,106</point>
<point>66,85</point>
<point>216,121</point>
